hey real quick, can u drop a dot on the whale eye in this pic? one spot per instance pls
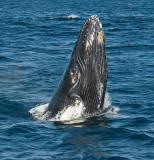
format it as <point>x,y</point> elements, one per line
<point>74,75</point>
<point>73,71</point>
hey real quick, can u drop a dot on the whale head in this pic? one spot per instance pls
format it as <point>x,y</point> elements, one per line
<point>85,79</point>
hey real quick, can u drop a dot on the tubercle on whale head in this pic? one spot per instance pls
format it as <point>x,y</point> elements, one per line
<point>100,37</point>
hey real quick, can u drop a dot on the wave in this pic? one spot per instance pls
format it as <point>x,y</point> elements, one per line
<point>71,113</point>
<point>73,16</point>
<point>4,59</point>
<point>63,18</point>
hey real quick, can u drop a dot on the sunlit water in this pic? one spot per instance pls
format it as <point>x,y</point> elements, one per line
<point>36,41</point>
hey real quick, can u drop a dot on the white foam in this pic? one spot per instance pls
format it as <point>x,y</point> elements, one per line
<point>108,106</point>
<point>111,28</point>
<point>70,113</point>
<point>107,102</point>
<point>73,16</point>
<point>39,112</point>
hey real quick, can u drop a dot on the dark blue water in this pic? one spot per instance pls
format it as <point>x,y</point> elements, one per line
<point>36,41</point>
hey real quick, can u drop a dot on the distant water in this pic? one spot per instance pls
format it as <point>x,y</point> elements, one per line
<point>36,41</point>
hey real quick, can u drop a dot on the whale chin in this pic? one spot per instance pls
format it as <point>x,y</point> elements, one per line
<point>85,78</point>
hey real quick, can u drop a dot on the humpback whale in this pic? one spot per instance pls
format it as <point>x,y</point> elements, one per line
<point>85,78</point>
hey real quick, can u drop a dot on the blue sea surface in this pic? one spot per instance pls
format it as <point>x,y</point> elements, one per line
<point>36,41</point>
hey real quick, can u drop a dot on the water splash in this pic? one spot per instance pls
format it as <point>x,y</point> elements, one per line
<point>71,112</point>
<point>39,112</point>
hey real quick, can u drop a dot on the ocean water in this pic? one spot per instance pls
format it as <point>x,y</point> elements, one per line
<point>36,41</point>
